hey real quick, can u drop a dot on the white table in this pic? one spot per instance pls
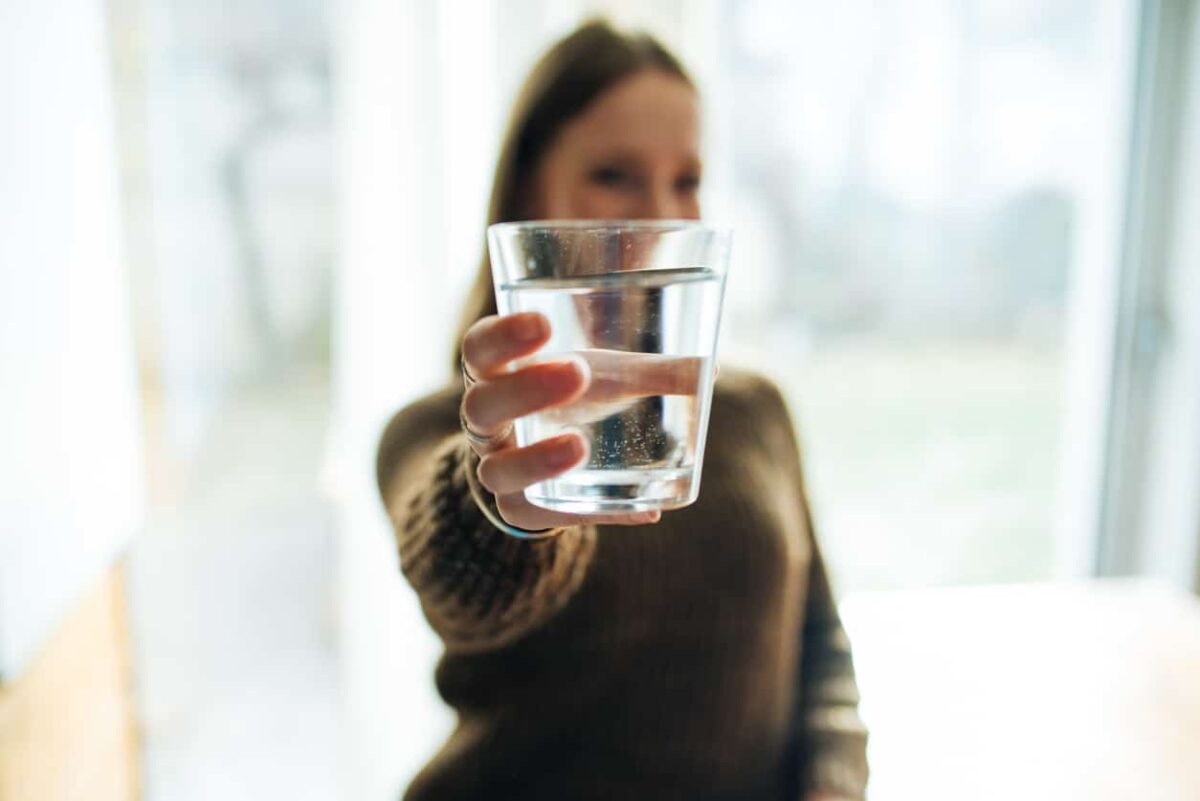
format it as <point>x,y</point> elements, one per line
<point>1087,690</point>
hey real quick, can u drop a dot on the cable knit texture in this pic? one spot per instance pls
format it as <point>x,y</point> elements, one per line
<point>481,588</point>
<point>698,658</point>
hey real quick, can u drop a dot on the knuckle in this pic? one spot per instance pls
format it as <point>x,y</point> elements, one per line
<point>474,343</point>
<point>474,407</point>
<point>487,472</point>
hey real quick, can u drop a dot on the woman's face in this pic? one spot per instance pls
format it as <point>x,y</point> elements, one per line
<point>633,153</point>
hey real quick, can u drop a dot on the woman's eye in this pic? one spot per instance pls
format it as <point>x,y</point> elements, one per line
<point>687,183</point>
<point>611,176</point>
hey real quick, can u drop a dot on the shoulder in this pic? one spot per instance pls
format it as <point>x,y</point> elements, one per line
<point>424,421</point>
<point>749,392</point>
<point>750,415</point>
<point>430,415</point>
<point>752,443</point>
<point>750,406</point>
<point>433,410</point>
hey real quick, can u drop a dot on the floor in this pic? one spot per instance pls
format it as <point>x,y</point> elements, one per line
<point>1061,690</point>
<point>233,611</point>
<point>66,723</point>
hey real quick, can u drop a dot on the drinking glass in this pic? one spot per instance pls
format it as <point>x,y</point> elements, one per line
<point>640,303</point>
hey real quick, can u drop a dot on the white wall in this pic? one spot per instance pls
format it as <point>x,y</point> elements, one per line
<point>391,301</point>
<point>70,457</point>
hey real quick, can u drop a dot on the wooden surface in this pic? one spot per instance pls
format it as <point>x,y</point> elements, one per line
<point>66,724</point>
<point>1057,692</point>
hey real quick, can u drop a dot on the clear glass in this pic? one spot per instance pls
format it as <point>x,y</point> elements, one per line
<point>640,304</point>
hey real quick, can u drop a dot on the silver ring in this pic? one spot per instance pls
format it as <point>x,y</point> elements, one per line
<point>476,439</point>
<point>468,379</point>
<point>479,440</point>
<point>486,504</point>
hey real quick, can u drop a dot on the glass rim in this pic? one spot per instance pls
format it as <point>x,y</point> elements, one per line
<point>606,226</point>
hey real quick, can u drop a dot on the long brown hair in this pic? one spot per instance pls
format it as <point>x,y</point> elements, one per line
<point>572,73</point>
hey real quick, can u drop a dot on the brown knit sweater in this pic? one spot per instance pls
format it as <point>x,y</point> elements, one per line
<point>701,657</point>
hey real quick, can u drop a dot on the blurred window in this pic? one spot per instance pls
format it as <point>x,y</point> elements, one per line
<point>917,189</point>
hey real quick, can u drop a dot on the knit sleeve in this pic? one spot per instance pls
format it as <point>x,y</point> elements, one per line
<point>833,739</point>
<point>480,588</point>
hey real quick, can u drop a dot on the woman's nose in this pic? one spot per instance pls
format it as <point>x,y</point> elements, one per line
<point>661,203</point>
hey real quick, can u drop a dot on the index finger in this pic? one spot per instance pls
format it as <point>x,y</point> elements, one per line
<point>618,375</point>
<point>493,342</point>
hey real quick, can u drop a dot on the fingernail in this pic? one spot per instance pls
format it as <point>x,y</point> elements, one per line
<point>582,368</point>
<point>530,328</point>
<point>565,375</point>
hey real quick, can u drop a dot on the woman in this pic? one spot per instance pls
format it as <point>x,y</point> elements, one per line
<point>697,656</point>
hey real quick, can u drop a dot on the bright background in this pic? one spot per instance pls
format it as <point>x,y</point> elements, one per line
<point>961,248</point>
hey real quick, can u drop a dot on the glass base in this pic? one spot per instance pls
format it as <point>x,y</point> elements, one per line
<point>616,491</point>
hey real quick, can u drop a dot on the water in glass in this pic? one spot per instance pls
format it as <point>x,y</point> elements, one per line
<point>647,337</point>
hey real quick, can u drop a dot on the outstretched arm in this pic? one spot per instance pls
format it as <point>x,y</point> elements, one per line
<point>479,587</point>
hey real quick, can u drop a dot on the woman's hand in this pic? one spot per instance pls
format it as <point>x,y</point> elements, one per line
<point>496,397</point>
